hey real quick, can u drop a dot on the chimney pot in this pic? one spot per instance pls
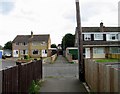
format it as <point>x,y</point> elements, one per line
<point>31,34</point>
<point>101,26</point>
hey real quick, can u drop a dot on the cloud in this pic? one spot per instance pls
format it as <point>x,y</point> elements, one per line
<point>6,6</point>
<point>54,17</point>
<point>91,9</point>
<point>92,13</point>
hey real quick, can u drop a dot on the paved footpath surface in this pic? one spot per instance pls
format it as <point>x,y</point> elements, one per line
<point>61,77</point>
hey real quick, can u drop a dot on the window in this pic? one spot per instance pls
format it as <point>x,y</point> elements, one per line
<point>98,36</point>
<point>113,36</point>
<point>114,50</point>
<point>87,36</point>
<point>24,43</point>
<point>34,43</point>
<point>98,50</point>
<point>23,52</point>
<point>43,43</point>
<point>35,52</point>
<point>16,52</point>
<point>17,43</point>
<point>45,51</point>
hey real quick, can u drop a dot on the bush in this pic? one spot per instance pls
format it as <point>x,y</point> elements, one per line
<point>35,87</point>
<point>26,57</point>
<point>3,57</point>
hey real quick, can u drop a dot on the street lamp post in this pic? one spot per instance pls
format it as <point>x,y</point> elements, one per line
<point>80,43</point>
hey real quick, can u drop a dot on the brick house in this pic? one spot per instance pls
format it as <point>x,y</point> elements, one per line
<point>98,42</point>
<point>31,45</point>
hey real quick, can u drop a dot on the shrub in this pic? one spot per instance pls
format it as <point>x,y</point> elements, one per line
<point>26,57</point>
<point>3,57</point>
<point>35,87</point>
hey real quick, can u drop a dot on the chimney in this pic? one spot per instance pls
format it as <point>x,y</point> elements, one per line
<point>31,34</point>
<point>101,27</point>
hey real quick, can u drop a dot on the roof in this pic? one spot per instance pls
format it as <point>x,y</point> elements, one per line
<point>28,38</point>
<point>98,29</point>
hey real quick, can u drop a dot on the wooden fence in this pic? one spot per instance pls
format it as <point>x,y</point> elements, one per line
<point>102,77</point>
<point>50,59</point>
<point>116,56</point>
<point>19,78</point>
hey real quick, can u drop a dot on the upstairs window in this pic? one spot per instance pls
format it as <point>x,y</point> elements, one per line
<point>87,37</point>
<point>24,43</point>
<point>98,36</point>
<point>17,43</point>
<point>113,36</point>
<point>35,43</point>
<point>43,43</point>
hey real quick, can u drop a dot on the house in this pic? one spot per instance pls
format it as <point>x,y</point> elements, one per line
<point>98,42</point>
<point>31,45</point>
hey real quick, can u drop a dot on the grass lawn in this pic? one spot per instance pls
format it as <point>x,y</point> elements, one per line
<point>107,60</point>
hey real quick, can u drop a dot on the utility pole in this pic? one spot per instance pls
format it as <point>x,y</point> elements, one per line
<point>80,43</point>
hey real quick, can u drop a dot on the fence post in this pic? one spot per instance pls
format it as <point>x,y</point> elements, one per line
<point>41,61</point>
<point>19,72</point>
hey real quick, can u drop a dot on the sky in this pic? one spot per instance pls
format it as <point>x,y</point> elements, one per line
<point>54,17</point>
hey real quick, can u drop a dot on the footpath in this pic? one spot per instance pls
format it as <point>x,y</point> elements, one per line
<point>61,77</point>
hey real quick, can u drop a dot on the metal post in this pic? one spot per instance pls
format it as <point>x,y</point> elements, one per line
<point>1,72</point>
<point>80,43</point>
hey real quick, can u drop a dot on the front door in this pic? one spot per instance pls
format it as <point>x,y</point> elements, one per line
<point>15,53</point>
<point>87,52</point>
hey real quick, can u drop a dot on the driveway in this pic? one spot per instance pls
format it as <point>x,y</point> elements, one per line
<point>8,62</point>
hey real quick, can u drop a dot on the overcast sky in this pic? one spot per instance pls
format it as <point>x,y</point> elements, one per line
<point>54,17</point>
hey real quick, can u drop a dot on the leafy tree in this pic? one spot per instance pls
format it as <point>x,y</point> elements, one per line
<point>53,46</point>
<point>8,45</point>
<point>68,41</point>
<point>1,47</point>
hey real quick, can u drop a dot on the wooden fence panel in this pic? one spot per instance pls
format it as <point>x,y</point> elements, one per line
<point>19,78</point>
<point>107,78</point>
<point>102,77</point>
<point>111,80</point>
<point>95,77</point>
<point>9,80</point>
<point>116,80</point>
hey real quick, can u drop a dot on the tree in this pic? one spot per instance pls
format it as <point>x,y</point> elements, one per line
<point>1,47</point>
<point>53,46</point>
<point>68,41</point>
<point>8,45</point>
